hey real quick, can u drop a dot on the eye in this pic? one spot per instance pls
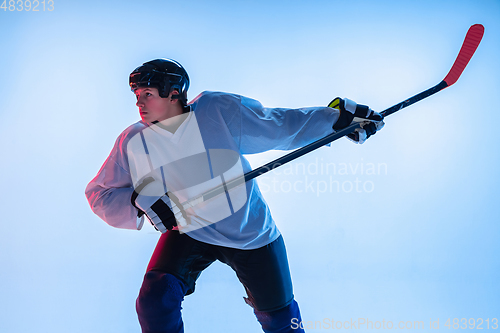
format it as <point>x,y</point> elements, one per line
<point>149,94</point>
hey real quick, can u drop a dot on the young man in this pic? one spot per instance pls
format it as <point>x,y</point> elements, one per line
<point>161,166</point>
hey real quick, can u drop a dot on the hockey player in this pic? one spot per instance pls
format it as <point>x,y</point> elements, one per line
<point>180,150</point>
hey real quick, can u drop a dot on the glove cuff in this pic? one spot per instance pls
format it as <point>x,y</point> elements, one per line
<point>161,216</point>
<point>346,108</point>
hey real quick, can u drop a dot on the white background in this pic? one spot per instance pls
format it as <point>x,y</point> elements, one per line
<point>420,243</point>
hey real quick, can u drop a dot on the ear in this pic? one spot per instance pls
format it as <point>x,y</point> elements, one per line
<point>174,96</point>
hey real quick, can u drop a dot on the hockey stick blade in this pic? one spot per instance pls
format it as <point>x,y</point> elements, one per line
<point>469,46</point>
<point>471,42</point>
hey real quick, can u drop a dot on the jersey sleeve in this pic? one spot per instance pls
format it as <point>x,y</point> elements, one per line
<point>257,129</point>
<point>109,193</point>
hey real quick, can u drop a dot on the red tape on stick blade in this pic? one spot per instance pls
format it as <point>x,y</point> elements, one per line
<point>471,42</point>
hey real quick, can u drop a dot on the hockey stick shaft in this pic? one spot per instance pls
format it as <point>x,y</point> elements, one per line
<point>469,46</point>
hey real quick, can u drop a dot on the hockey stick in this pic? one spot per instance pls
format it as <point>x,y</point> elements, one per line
<point>469,46</point>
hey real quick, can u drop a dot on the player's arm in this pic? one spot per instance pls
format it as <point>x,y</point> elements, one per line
<point>109,194</point>
<point>256,128</point>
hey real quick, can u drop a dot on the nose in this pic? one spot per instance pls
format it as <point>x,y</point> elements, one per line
<point>140,102</point>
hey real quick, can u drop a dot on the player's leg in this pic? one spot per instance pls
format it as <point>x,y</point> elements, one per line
<point>159,303</point>
<point>284,320</point>
<point>265,274</point>
<point>173,269</point>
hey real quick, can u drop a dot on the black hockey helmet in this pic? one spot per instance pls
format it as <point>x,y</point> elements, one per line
<point>164,74</point>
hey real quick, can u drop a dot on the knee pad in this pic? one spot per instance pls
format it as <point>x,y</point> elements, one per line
<point>280,321</point>
<point>160,293</point>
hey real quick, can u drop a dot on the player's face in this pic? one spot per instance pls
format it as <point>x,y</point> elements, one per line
<point>152,107</point>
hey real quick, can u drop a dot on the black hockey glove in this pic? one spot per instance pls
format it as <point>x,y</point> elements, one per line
<point>350,112</point>
<point>161,216</point>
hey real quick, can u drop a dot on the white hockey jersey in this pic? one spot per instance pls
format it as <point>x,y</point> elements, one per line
<point>206,150</point>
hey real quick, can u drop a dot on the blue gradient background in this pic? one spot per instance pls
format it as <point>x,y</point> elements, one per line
<point>420,244</point>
